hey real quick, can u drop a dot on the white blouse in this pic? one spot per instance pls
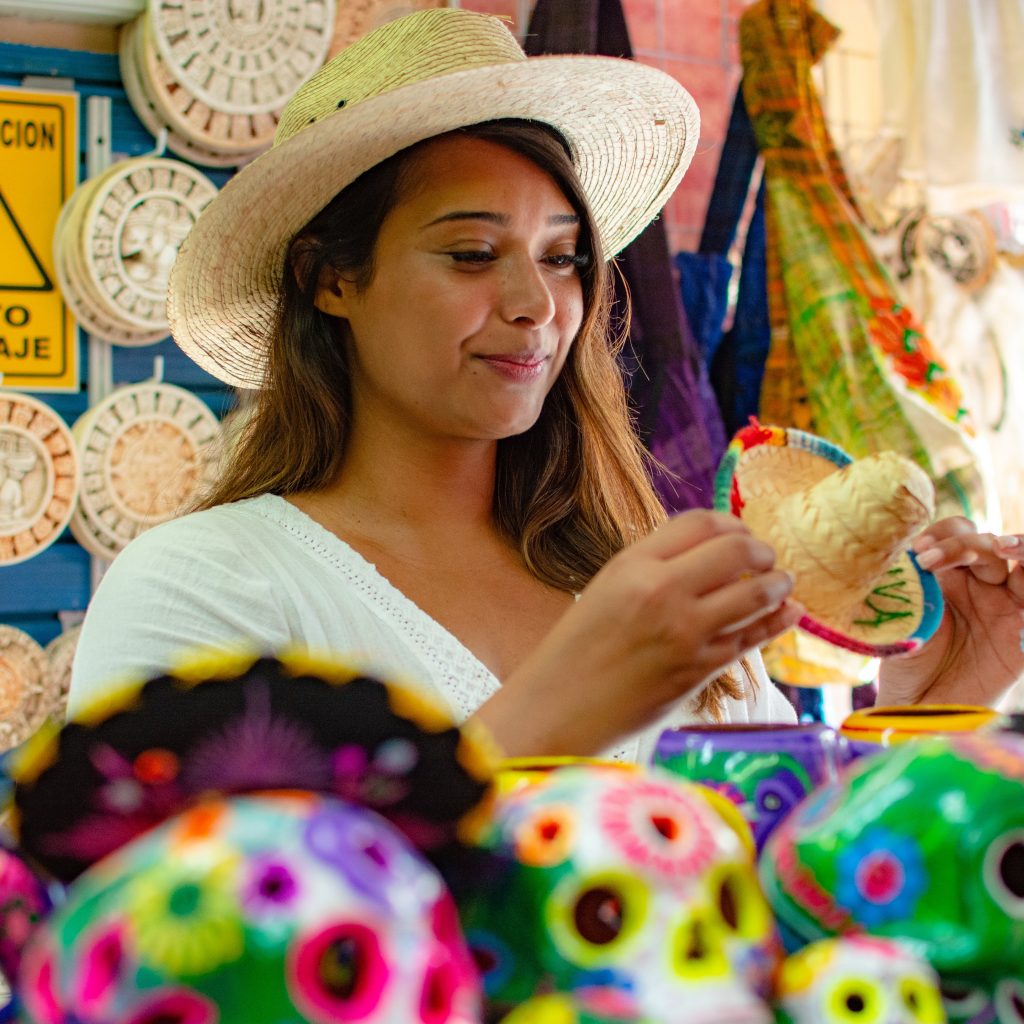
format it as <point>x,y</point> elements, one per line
<point>261,574</point>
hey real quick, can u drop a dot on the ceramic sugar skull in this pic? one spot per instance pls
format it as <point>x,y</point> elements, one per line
<point>857,980</point>
<point>922,842</point>
<point>765,770</point>
<point>627,885</point>
<point>262,909</point>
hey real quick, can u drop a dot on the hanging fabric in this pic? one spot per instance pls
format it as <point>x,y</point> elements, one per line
<point>735,357</point>
<point>840,335</point>
<point>678,416</point>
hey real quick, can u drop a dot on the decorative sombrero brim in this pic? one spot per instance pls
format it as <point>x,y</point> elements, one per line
<point>895,613</point>
<point>632,130</point>
<point>231,725</point>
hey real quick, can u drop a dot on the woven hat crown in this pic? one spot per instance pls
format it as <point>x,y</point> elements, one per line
<point>412,49</point>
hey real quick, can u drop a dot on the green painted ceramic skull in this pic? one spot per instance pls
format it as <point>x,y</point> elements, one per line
<point>922,842</point>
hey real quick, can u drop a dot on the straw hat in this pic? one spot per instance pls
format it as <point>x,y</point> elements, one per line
<point>632,130</point>
<point>843,528</point>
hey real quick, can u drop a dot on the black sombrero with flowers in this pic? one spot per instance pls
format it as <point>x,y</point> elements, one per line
<point>227,725</point>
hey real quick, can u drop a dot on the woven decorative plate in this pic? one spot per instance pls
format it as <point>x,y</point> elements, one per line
<point>60,653</point>
<point>242,56</point>
<point>24,682</point>
<point>146,110</point>
<point>147,451</point>
<point>357,17</point>
<point>39,476</point>
<point>116,239</point>
<point>229,132</point>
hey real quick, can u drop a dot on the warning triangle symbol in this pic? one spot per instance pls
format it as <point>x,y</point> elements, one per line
<point>20,269</point>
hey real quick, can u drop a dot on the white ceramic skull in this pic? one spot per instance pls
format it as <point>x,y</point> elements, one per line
<point>629,885</point>
<point>858,980</point>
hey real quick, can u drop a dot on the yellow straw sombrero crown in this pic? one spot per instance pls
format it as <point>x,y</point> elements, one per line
<point>632,131</point>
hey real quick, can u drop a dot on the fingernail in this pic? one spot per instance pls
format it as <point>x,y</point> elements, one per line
<point>929,558</point>
<point>924,541</point>
<point>1008,542</point>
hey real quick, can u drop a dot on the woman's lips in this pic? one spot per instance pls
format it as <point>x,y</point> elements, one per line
<point>517,368</point>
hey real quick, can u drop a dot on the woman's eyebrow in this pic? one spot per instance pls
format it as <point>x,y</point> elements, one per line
<point>500,219</point>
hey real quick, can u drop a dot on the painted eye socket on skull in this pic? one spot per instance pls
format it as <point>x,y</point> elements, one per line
<point>593,919</point>
<point>1004,872</point>
<point>855,1000</point>
<point>921,999</point>
<point>740,904</point>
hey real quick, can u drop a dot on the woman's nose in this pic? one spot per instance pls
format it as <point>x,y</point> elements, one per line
<point>526,295</point>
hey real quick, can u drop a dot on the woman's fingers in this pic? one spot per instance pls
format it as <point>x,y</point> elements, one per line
<point>956,544</point>
<point>686,531</point>
<point>743,602</point>
<point>729,645</point>
<point>721,560</point>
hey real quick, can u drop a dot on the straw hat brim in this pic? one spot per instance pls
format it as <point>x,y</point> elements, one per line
<point>895,617</point>
<point>632,130</point>
<point>232,724</point>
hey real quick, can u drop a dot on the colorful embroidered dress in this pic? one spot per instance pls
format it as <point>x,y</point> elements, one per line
<point>847,360</point>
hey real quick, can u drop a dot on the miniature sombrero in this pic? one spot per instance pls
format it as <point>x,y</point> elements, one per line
<point>230,725</point>
<point>843,528</point>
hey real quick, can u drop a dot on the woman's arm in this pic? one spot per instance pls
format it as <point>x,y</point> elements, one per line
<point>663,617</point>
<point>975,655</point>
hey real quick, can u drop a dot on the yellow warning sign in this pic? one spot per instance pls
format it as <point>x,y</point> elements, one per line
<point>38,171</point>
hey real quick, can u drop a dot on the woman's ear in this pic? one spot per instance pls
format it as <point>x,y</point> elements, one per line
<point>332,293</point>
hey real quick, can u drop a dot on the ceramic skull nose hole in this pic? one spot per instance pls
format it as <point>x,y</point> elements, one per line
<point>598,916</point>
<point>438,993</point>
<point>697,947</point>
<point>665,826</point>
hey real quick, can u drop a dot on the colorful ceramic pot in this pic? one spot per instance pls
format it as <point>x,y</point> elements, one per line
<point>625,884</point>
<point>922,842</point>
<point>764,770</point>
<point>857,979</point>
<point>262,909</point>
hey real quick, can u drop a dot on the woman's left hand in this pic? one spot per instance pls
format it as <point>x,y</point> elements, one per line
<point>975,655</point>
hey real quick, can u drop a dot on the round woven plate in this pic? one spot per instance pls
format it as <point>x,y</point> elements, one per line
<point>141,101</point>
<point>39,476</point>
<point>24,684</point>
<point>242,56</point>
<point>763,465</point>
<point>228,132</point>
<point>132,225</point>
<point>60,653</point>
<point>147,451</point>
<point>77,287</point>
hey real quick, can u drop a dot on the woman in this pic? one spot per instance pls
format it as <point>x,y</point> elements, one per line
<point>440,474</point>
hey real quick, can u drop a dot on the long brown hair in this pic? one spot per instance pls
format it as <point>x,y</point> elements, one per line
<point>569,492</point>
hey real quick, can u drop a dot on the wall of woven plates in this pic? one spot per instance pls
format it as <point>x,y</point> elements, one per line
<point>44,591</point>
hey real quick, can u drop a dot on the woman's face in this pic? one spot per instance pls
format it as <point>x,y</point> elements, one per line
<point>474,301</point>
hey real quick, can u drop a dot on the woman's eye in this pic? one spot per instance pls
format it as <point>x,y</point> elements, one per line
<point>568,259</point>
<point>472,256</point>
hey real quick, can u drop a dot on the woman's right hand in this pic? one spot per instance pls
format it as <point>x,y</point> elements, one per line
<point>661,618</point>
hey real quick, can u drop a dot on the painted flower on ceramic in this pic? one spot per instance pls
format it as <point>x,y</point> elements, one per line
<point>881,877</point>
<point>185,916</point>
